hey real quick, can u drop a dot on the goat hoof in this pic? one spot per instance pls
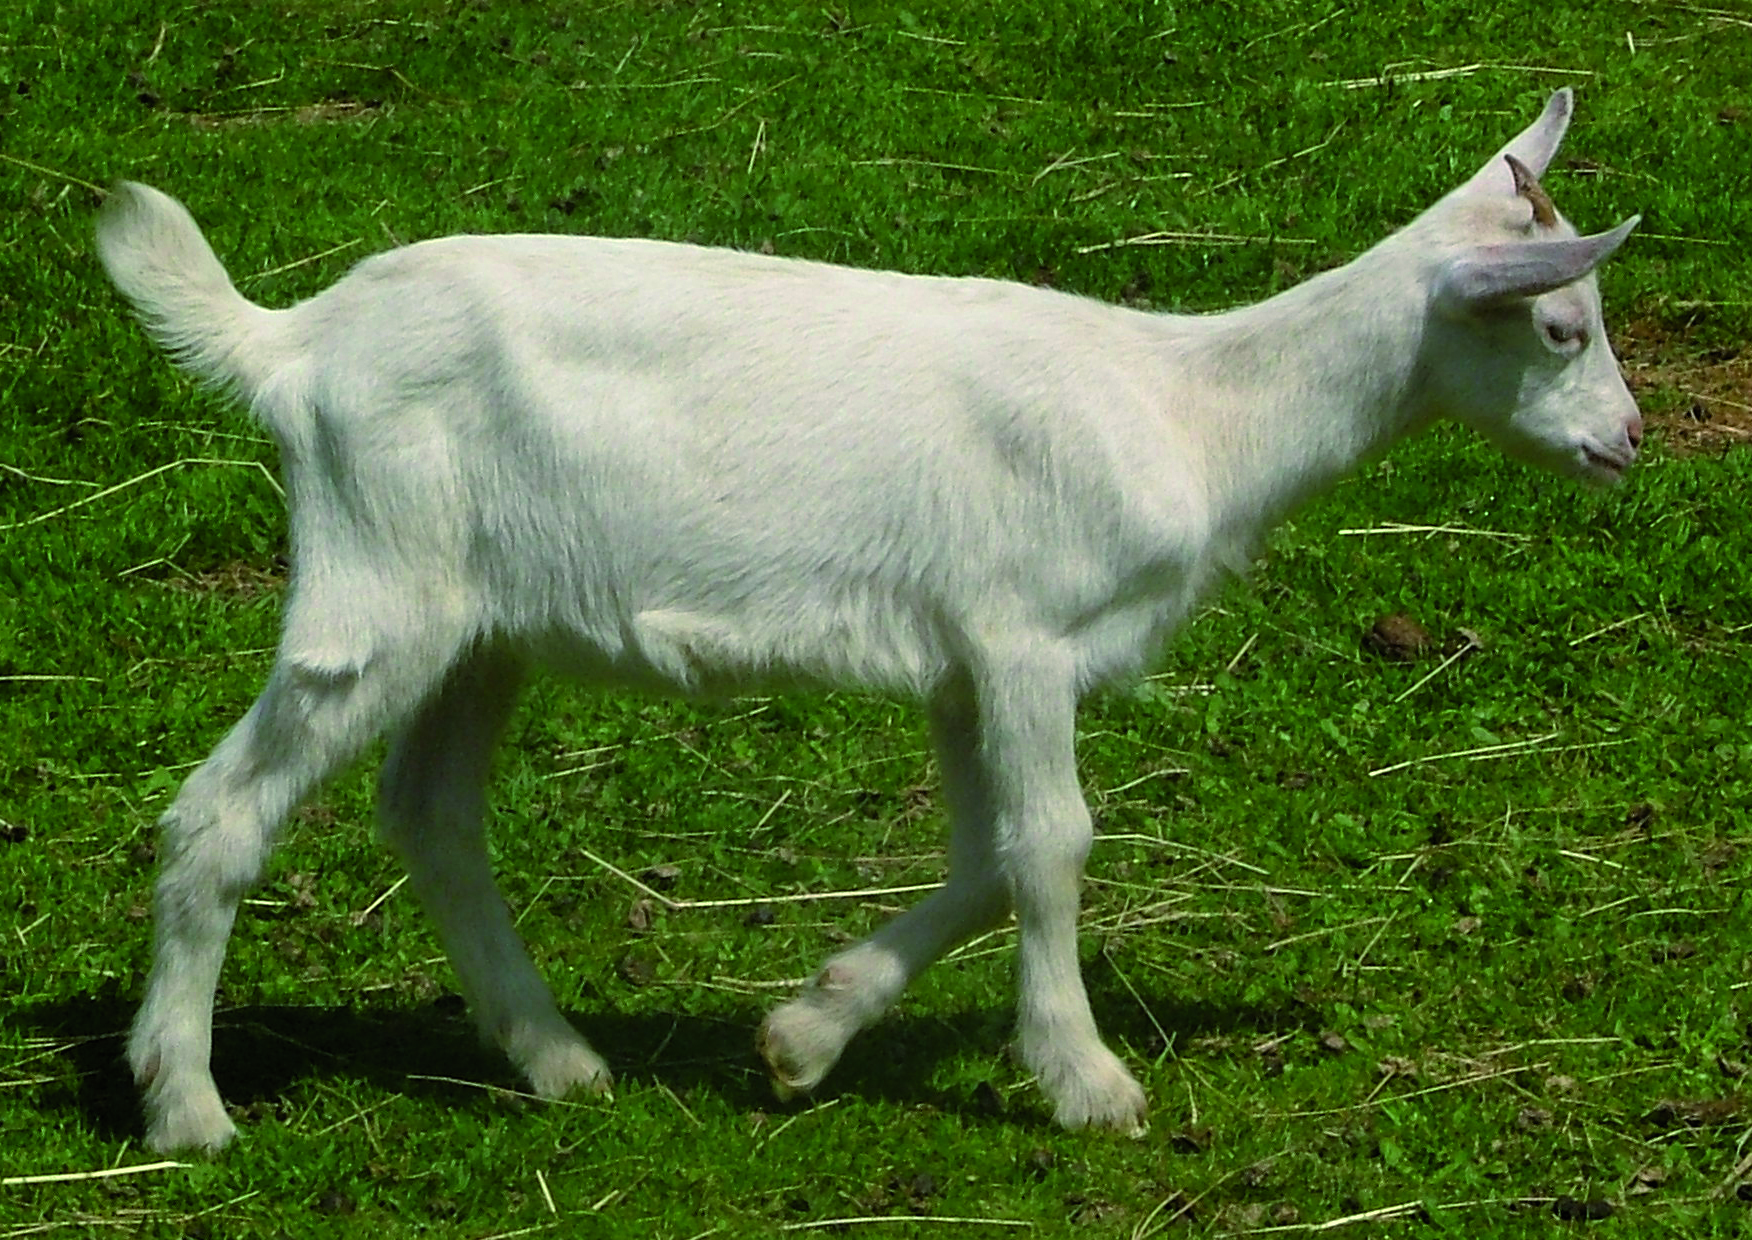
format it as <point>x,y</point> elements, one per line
<point>799,1047</point>
<point>1100,1094</point>
<point>782,1091</point>
<point>568,1067</point>
<point>196,1126</point>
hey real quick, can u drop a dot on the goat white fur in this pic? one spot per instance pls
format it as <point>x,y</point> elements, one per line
<point>639,463</point>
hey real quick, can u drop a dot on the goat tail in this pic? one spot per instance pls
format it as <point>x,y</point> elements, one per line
<point>154,252</point>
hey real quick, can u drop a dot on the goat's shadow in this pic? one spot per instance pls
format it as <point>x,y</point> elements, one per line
<point>261,1052</point>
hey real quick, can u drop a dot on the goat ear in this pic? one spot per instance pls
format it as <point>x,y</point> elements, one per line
<point>1492,275</point>
<point>1533,147</point>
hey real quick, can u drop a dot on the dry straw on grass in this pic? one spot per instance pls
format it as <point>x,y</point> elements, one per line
<point>108,1173</point>
<point>139,478</point>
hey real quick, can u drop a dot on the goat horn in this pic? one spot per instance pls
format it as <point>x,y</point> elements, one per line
<point>1528,187</point>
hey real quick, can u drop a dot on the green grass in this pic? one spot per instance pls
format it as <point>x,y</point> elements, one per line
<point>1497,981</point>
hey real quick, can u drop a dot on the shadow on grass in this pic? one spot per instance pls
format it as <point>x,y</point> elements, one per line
<point>261,1052</point>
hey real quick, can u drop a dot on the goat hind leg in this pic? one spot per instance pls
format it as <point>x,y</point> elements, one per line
<point>215,838</point>
<point>433,807</point>
<point>803,1039</point>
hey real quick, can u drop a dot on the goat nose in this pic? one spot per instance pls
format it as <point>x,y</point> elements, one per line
<point>1633,431</point>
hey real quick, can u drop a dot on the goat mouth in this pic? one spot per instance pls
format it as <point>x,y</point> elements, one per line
<point>1604,466</point>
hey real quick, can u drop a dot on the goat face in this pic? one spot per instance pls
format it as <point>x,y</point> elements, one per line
<point>1514,344</point>
<point>1528,365</point>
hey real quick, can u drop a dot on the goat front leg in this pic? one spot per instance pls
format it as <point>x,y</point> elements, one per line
<point>803,1039</point>
<point>1027,712</point>
<point>432,802</point>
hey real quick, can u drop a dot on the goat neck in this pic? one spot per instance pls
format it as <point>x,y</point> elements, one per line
<point>1290,394</point>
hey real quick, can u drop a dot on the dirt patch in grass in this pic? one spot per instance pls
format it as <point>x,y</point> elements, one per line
<point>327,112</point>
<point>1700,399</point>
<point>238,579</point>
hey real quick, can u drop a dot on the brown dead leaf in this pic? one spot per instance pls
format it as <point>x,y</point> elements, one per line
<point>1397,637</point>
<point>1396,1065</point>
<point>1695,1112</point>
<point>1648,1179</point>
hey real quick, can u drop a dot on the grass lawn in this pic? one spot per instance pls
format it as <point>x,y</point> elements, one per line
<point>1441,945</point>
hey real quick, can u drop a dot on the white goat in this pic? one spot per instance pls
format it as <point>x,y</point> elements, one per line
<point>641,463</point>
